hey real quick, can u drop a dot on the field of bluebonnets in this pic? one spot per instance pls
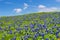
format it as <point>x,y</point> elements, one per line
<point>36,26</point>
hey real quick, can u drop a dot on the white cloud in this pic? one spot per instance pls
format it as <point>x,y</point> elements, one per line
<point>43,8</point>
<point>18,10</point>
<point>25,6</point>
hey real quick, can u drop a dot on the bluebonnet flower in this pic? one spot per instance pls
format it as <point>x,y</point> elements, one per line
<point>44,26</point>
<point>14,38</point>
<point>42,34</point>
<point>37,29</point>
<point>45,22</point>
<point>18,29</point>
<point>57,36</point>
<point>32,25</point>
<point>57,33</point>
<point>53,19</point>
<point>40,26</point>
<point>51,32</point>
<point>10,32</point>
<point>47,30</point>
<point>26,37</point>
<point>57,22</point>
<point>55,26</point>
<point>36,35</point>
<point>26,27</point>
<point>47,39</point>
<point>18,25</point>
<point>33,30</point>
<point>59,30</point>
<point>0,28</point>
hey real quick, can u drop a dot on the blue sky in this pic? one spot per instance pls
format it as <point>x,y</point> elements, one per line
<point>19,7</point>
